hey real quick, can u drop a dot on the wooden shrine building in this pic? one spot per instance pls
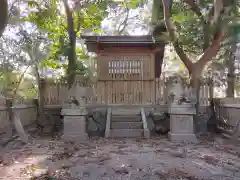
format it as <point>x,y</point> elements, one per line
<point>128,68</point>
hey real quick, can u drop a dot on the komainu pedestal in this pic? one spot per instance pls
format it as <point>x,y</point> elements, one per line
<point>182,123</point>
<point>74,124</point>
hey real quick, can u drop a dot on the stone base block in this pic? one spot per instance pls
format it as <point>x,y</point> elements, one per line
<point>125,133</point>
<point>146,134</point>
<point>107,133</point>
<point>74,128</point>
<point>186,138</point>
<point>75,137</point>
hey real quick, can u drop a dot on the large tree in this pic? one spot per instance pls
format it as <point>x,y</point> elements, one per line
<point>215,22</point>
<point>3,15</point>
<point>65,27</point>
<point>197,30</point>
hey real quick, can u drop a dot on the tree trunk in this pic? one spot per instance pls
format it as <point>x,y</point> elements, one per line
<point>10,118</point>
<point>231,71</point>
<point>206,38</point>
<point>71,69</point>
<point>195,76</point>
<point>156,9</point>
<point>41,112</point>
<point>195,82</point>
<point>3,15</point>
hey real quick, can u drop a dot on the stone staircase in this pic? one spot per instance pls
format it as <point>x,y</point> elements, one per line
<point>123,123</point>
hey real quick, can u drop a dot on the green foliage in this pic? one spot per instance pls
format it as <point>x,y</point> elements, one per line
<point>50,17</point>
<point>195,33</point>
<point>133,4</point>
<point>92,15</point>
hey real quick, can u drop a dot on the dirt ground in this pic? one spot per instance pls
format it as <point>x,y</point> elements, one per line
<point>125,159</point>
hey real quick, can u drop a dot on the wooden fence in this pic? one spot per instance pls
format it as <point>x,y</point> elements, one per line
<point>27,110</point>
<point>227,112</point>
<point>103,93</point>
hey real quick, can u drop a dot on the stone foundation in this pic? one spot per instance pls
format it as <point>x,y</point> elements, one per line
<point>74,124</point>
<point>182,124</point>
<point>186,138</point>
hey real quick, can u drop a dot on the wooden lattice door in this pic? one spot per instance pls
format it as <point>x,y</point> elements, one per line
<point>126,79</point>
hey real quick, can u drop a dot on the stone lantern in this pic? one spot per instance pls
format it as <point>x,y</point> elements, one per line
<point>181,114</point>
<point>75,114</point>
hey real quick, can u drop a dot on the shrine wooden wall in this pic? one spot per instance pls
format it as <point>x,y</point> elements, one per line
<point>126,76</point>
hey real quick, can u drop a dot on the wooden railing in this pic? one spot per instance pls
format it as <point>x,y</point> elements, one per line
<point>227,114</point>
<point>139,92</point>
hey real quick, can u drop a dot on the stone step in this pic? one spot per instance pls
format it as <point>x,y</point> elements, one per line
<point>226,131</point>
<point>126,125</point>
<point>124,133</point>
<point>123,111</point>
<point>227,136</point>
<point>126,118</point>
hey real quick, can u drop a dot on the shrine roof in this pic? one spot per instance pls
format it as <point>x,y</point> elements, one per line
<point>92,42</point>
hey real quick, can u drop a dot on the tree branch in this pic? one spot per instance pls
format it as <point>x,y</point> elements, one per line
<point>212,50</point>
<point>194,7</point>
<point>171,31</point>
<point>210,14</point>
<point>124,23</point>
<point>11,8</point>
<point>70,28</point>
<point>79,23</point>
<point>19,81</point>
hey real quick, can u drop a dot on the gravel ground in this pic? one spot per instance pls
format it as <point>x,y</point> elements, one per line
<point>125,159</point>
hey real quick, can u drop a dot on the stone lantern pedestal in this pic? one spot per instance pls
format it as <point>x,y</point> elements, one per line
<point>74,124</point>
<point>181,123</point>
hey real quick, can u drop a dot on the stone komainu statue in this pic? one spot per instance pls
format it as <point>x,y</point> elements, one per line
<point>3,15</point>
